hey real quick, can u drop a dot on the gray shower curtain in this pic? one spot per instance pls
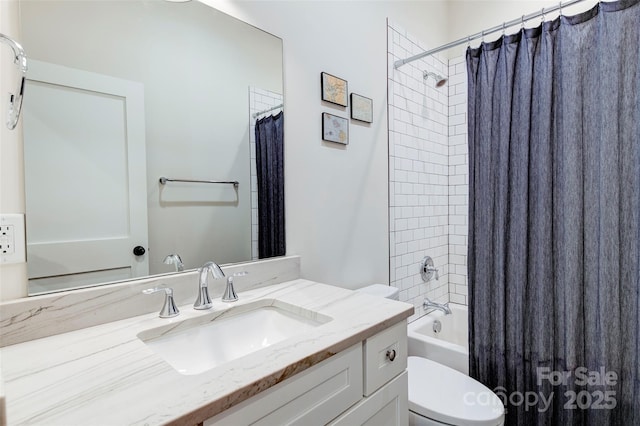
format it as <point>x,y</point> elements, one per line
<point>270,173</point>
<point>554,218</point>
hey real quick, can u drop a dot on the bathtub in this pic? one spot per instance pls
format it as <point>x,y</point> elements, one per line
<point>450,346</point>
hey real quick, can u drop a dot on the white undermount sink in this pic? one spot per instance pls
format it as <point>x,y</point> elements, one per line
<point>194,346</point>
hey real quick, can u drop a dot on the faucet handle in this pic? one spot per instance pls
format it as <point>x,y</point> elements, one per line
<point>436,271</point>
<point>169,309</point>
<point>428,270</point>
<point>230,293</point>
<point>175,260</point>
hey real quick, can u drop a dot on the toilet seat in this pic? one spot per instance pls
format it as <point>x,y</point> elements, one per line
<point>445,395</point>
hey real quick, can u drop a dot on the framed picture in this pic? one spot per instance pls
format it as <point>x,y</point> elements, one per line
<point>334,89</point>
<point>335,129</point>
<point>361,108</point>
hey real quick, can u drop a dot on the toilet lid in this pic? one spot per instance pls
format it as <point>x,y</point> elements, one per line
<point>446,395</point>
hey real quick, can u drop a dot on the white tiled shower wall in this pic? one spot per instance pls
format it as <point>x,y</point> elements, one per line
<point>259,100</point>
<point>418,172</point>
<point>458,180</point>
<point>427,173</point>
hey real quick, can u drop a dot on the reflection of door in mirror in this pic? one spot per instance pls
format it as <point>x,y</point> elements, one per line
<point>195,65</point>
<point>85,188</point>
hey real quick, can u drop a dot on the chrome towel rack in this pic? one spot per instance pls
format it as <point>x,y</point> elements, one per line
<point>163,180</point>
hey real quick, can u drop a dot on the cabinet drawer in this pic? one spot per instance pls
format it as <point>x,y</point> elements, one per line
<point>385,356</point>
<point>388,406</point>
<point>312,397</point>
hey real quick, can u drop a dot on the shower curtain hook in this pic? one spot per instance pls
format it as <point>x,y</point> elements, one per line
<point>543,17</point>
<point>504,25</point>
<point>561,8</point>
<point>469,41</point>
<point>482,35</point>
<point>522,24</point>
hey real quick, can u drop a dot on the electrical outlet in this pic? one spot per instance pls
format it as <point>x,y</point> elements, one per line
<point>12,239</point>
<point>7,239</point>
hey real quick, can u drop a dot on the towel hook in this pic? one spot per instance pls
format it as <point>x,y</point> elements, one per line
<point>15,99</point>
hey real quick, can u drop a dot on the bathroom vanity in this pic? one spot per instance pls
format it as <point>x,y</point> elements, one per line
<point>348,368</point>
<point>360,385</point>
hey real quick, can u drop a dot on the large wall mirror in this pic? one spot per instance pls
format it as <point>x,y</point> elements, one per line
<point>122,93</point>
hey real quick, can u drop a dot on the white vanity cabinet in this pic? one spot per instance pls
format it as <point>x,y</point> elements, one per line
<point>365,384</point>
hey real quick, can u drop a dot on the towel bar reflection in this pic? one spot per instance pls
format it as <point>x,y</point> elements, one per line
<point>164,180</point>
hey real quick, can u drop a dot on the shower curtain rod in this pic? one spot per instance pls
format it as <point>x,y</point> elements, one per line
<point>255,115</point>
<point>481,34</point>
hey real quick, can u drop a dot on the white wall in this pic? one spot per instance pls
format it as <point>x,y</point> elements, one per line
<point>13,276</point>
<point>336,196</point>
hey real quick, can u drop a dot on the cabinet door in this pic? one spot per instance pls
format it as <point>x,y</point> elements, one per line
<point>313,397</point>
<point>385,356</point>
<point>388,406</point>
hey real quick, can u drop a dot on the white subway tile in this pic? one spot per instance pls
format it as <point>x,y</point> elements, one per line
<point>457,119</point>
<point>457,298</point>
<point>401,272</point>
<point>459,250</point>
<point>458,98</point>
<point>457,60</point>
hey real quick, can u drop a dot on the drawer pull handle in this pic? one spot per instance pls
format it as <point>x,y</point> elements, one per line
<point>391,354</point>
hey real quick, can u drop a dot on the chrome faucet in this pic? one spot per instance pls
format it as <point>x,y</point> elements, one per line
<point>204,301</point>
<point>428,269</point>
<point>444,307</point>
<point>176,260</point>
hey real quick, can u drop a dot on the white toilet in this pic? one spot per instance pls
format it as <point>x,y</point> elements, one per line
<point>381,290</point>
<point>439,395</point>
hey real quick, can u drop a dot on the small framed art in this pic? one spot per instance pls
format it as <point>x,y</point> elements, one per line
<point>361,108</point>
<point>335,129</point>
<point>334,89</point>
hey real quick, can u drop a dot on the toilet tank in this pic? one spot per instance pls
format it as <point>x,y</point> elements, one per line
<point>381,290</point>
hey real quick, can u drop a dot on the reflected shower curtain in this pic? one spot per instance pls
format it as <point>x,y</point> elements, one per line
<point>554,218</point>
<point>270,173</point>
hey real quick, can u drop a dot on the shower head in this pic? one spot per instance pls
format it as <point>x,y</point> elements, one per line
<point>440,80</point>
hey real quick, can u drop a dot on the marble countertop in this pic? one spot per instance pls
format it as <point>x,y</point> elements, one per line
<point>106,375</point>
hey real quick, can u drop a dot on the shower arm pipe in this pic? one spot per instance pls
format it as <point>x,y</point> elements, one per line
<point>15,100</point>
<point>397,64</point>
